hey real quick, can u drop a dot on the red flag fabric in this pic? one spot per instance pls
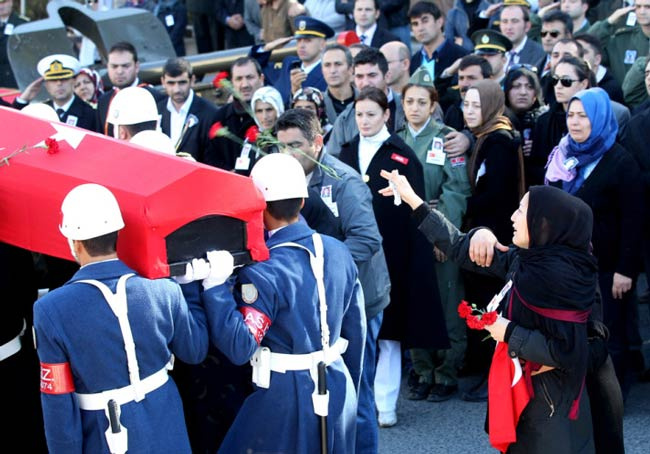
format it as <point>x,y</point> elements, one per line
<point>507,397</point>
<point>158,194</point>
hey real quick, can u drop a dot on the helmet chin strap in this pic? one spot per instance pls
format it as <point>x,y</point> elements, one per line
<point>71,245</point>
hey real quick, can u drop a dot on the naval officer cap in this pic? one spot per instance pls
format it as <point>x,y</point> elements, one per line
<point>58,66</point>
<point>490,42</point>
<point>308,27</point>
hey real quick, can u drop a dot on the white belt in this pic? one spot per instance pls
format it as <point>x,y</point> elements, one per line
<point>264,361</point>
<point>124,395</point>
<point>10,348</point>
<point>13,346</point>
<point>282,362</point>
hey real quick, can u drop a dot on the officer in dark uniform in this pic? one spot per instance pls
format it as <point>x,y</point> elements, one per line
<point>8,20</point>
<point>492,45</point>
<point>305,69</point>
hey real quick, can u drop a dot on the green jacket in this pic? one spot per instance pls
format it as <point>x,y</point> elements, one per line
<point>448,183</point>
<point>621,46</point>
<point>634,90</point>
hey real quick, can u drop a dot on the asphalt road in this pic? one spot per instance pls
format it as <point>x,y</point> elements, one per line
<point>456,426</point>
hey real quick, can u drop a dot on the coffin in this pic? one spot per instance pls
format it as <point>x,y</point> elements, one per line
<point>174,209</point>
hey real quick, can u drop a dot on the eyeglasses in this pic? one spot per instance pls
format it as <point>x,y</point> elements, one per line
<point>553,33</point>
<point>566,82</point>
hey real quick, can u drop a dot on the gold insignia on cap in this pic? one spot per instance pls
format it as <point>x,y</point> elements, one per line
<point>485,39</point>
<point>302,25</point>
<point>249,293</point>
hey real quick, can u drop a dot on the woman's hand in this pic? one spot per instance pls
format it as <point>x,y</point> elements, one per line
<point>620,285</point>
<point>481,247</point>
<point>401,184</point>
<point>498,329</point>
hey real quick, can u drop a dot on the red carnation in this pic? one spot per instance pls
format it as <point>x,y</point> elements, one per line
<point>219,78</point>
<point>251,134</point>
<point>474,322</point>
<point>464,309</point>
<point>489,318</point>
<point>215,130</point>
<point>52,145</point>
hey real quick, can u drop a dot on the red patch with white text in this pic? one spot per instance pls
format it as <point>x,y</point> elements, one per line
<point>399,158</point>
<point>56,378</point>
<point>258,323</point>
<point>457,162</point>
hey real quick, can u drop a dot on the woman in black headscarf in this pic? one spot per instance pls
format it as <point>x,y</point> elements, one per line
<point>553,280</point>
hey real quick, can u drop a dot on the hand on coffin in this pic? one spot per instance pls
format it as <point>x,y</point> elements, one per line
<point>199,269</point>
<point>221,267</point>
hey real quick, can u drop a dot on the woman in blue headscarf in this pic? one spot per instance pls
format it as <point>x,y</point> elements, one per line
<point>589,164</point>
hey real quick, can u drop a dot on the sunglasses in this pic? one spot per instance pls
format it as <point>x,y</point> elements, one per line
<point>524,66</point>
<point>566,82</point>
<point>554,34</point>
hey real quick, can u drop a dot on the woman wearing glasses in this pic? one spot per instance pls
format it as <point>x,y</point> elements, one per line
<point>589,164</point>
<point>570,76</point>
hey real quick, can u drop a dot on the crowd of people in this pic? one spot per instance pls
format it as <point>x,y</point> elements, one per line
<point>471,111</point>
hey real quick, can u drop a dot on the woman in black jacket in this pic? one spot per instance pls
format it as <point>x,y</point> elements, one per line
<point>496,175</point>
<point>414,317</point>
<point>552,281</point>
<point>589,164</point>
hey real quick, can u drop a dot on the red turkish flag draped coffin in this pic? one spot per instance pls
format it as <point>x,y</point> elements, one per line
<point>174,209</point>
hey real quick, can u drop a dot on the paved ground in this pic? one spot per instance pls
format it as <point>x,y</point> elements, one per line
<point>456,427</point>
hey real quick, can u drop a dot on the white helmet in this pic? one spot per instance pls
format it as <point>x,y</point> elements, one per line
<point>42,111</point>
<point>132,105</point>
<point>279,176</point>
<point>90,211</point>
<point>154,140</point>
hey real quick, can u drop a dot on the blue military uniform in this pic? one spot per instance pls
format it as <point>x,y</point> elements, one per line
<point>278,75</point>
<point>74,324</point>
<point>276,303</point>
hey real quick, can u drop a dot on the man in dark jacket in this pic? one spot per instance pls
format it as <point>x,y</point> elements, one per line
<point>122,68</point>
<point>185,117</point>
<point>230,13</point>
<point>8,20</point>
<point>593,54</point>
<point>246,75</point>
<point>368,29</point>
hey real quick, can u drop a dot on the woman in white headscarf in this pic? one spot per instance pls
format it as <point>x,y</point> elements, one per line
<point>267,106</point>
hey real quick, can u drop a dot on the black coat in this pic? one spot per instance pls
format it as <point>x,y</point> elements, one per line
<point>414,315</point>
<point>381,37</point>
<point>614,191</point>
<point>496,194</point>
<point>549,129</point>
<point>612,87</point>
<point>6,73</point>
<point>80,114</point>
<point>196,140</point>
<point>447,55</point>
<point>104,102</point>
<point>224,152</point>
<point>233,38</point>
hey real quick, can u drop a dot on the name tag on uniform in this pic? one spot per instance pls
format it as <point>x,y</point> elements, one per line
<point>9,29</point>
<point>631,19</point>
<point>630,56</point>
<point>243,161</point>
<point>436,155</point>
<point>169,20</point>
<point>71,120</point>
<point>326,196</point>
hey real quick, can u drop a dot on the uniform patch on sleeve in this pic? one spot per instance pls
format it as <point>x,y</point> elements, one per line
<point>56,378</point>
<point>457,162</point>
<point>399,158</point>
<point>249,293</point>
<point>257,322</point>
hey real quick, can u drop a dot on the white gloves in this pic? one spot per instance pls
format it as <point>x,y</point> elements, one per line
<point>198,269</point>
<point>221,267</point>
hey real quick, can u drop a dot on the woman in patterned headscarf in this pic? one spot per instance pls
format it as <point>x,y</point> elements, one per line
<point>88,85</point>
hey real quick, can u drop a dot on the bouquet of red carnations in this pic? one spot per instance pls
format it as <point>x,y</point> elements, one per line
<point>474,317</point>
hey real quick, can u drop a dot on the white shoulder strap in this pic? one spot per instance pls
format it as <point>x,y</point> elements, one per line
<point>317,262</point>
<point>117,303</point>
